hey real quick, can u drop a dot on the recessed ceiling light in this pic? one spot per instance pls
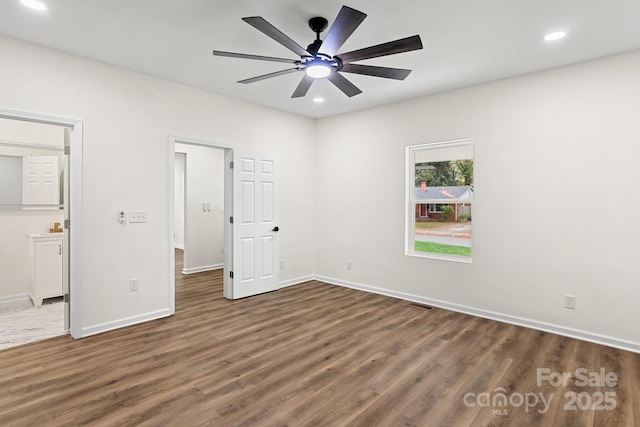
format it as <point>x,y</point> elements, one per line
<point>318,100</point>
<point>556,35</point>
<point>34,4</point>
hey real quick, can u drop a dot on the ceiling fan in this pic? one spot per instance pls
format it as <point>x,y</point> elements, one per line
<point>320,59</point>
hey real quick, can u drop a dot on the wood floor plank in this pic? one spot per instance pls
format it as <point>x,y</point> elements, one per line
<point>308,355</point>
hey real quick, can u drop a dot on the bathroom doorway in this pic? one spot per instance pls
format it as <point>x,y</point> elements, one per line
<point>37,263</point>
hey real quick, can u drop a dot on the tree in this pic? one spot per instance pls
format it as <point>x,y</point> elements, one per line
<point>464,169</point>
<point>436,174</point>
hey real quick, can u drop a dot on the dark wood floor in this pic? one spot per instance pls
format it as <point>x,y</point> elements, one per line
<point>312,354</point>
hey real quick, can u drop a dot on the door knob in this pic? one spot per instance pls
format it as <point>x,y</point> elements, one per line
<point>276,229</point>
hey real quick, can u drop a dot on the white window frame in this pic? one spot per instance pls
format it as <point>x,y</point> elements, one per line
<point>433,207</point>
<point>411,201</point>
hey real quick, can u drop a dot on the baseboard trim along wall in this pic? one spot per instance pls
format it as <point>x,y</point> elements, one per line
<point>13,298</point>
<point>201,269</point>
<point>128,321</point>
<point>514,320</point>
<point>297,281</point>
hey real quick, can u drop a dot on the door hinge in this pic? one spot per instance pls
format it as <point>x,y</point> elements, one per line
<point>67,298</point>
<point>231,165</point>
<point>67,149</point>
<point>67,224</point>
<point>230,220</point>
<point>231,274</point>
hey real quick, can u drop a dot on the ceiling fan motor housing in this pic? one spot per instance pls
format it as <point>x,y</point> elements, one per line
<point>318,24</point>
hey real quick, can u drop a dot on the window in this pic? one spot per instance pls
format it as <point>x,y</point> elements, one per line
<point>435,208</point>
<point>439,200</point>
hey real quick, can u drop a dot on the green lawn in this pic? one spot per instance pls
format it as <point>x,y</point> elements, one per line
<point>439,248</point>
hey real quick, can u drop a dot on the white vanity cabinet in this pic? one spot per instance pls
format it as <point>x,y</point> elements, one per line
<point>45,270</point>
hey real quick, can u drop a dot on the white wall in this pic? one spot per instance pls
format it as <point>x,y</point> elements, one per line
<point>204,230</point>
<point>554,151</point>
<point>180,163</point>
<point>18,139</point>
<point>31,133</point>
<point>127,120</point>
<point>555,212</point>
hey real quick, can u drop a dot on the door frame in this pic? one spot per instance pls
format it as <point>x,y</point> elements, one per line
<point>72,275</point>
<point>228,194</point>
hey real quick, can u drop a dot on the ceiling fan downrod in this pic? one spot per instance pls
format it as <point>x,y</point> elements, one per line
<point>317,25</point>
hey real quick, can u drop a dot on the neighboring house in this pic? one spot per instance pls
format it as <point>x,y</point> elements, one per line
<point>436,197</point>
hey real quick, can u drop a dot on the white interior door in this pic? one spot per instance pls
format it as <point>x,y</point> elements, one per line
<point>256,248</point>
<point>66,242</point>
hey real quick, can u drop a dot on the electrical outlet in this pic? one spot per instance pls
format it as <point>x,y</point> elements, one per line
<point>348,264</point>
<point>281,264</point>
<point>133,285</point>
<point>122,217</point>
<point>570,302</point>
<point>222,249</point>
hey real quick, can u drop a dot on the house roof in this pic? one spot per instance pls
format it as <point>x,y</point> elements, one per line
<point>447,192</point>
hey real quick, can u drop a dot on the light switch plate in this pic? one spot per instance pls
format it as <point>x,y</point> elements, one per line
<point>137,216</point>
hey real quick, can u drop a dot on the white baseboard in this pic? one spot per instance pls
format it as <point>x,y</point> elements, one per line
<point>193,270</point>
<point>296,281</point>
<point>514,320</point>
<point>179,247</point>
<point>13,298</point>
<point>129,321</point>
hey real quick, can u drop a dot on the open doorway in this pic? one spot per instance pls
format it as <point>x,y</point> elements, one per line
<point>32,172</point>
<point>41,255</point>
<point>198,190</point>
<point>250,217</point>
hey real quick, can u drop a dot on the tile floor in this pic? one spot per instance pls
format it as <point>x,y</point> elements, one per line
<point>21,322</point>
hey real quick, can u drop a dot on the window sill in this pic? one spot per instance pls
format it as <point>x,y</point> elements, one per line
<point>443,257</point>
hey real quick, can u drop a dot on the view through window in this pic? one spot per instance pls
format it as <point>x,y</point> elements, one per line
<point>440,195</point>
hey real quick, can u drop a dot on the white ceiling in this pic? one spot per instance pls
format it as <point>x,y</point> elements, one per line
<point>466,42</point>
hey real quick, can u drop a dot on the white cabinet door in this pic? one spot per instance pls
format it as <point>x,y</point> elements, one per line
<point>49,269</point>
<point>40,180</point>
<point>45,272</point>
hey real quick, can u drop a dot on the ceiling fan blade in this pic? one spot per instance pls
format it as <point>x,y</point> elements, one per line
<point>268,76</point>
<point>258,57</point>
<point>390,48</point>
<point>303,87</point>
<point>343,84</point>
<point>368,70</point>
<point>343,26</point>
<point>262,25</point>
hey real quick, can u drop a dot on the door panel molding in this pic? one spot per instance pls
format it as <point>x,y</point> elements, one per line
<point>255,244</point>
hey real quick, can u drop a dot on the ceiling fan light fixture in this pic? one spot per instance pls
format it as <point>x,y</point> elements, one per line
<point>318,69</point>
<point>322,59</point>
